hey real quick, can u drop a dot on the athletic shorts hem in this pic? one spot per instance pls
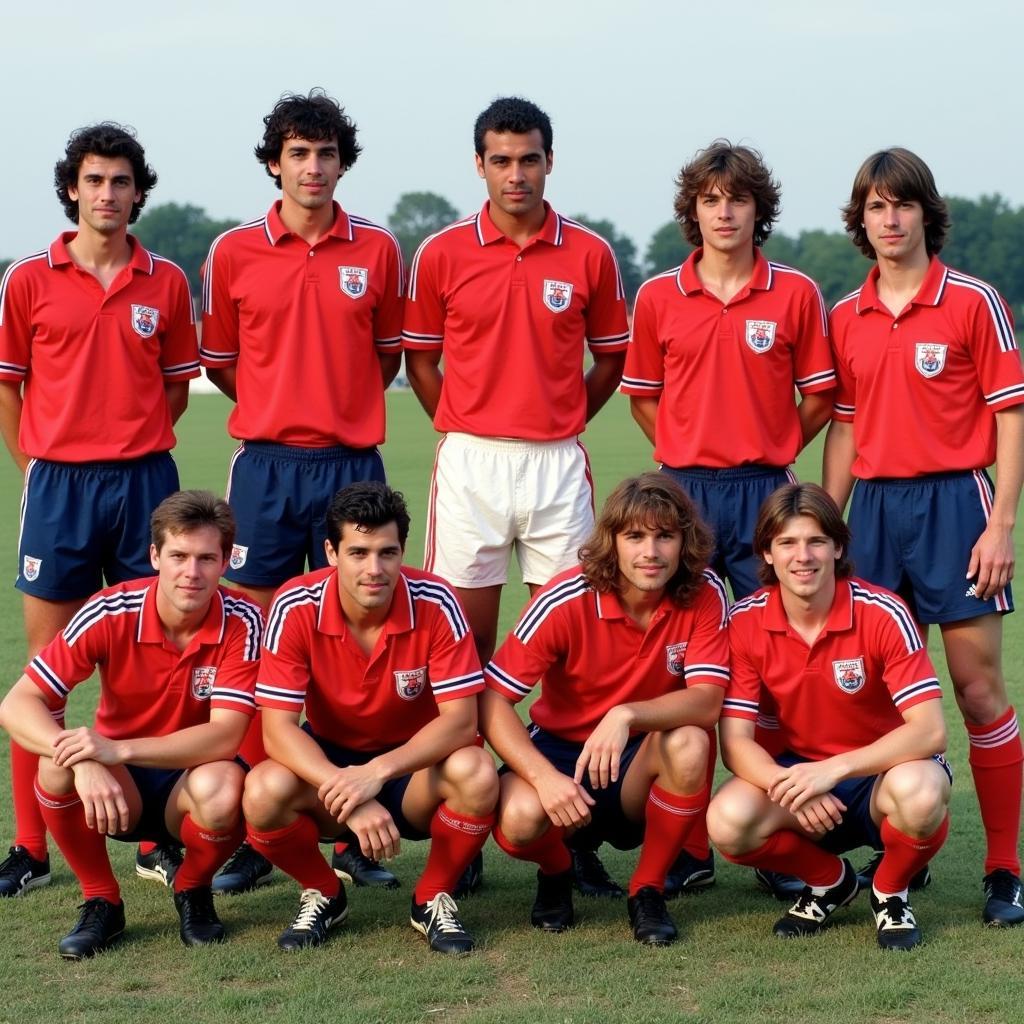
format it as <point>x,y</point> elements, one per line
<point>45,594</point>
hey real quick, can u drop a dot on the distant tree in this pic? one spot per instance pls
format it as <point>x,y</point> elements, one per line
<point>666,249</point>
<point>4,264</point>
<point>987,241</point>
<point>416,215</point>
<point>625,252</point>
<point>829,257</point>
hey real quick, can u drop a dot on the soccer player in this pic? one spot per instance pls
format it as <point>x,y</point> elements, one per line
<point>930,394</point>
<point>177,658</point>
<point>382,661</point>
<point>632,649</point>
<point>859,710</point>
<point>97,345</point>
<point>302,317</point>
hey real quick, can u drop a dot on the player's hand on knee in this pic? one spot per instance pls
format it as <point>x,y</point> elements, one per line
<point>72,746</point>
<point>103,800</point>
<point>992,561</point>
<point>820,814</point>
<point>376,831</point>
<point>565,801</point>
<point>602,753</point>
<point>347,789</point>
<point>794,786</point>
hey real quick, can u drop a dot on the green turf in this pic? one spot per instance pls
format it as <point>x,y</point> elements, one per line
<point>726,966</point>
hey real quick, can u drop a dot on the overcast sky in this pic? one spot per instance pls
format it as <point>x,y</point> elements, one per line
<point>633,90</point>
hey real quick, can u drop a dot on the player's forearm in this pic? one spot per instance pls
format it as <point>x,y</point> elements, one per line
<point>198,744</point>
<point>837,463</point>
<point>748,760</point>
<point>450,731</point>
<point>10,421</point>
<point>27,718</point>
<point>698,705</point>
<point>177,399</point>
<point>425,378</point>
<point>915,740</point>
<point>645,412</point>
<point>390,363</point>
<point>223,378</point>
<point>294,748</point>
<point>814,411</point>
<point>602,379</point>
<point>504,731</point>
<point>1009,466</point>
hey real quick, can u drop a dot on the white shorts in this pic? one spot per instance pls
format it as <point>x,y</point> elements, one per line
<point>488,495</point>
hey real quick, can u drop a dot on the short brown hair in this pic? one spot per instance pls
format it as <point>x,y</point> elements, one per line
<point>651,499</point>
<point>736,170</point>
<point>184,511</point>
<point>790,501</point>
<point>897,174</point>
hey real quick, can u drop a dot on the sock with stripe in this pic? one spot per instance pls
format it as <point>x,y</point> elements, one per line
<point>455,839</point>
<point>996,758</point>
<point>206,851</point>
<point>295,850</point>
<point>548,851</point>
<point>672,820</point>
<point>791,854</point>
<point>904,856</point>
<point>29,827</point>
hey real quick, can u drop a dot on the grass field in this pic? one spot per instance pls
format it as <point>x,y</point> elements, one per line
<point>726,966</point>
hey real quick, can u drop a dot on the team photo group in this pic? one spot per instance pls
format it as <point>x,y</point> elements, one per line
<point>712,609</point>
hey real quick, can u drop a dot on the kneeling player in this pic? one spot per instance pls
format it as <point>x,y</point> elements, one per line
<point>633,651</point>
<point>382,660</point>
<point>177,659</point>
<point>859,712</point>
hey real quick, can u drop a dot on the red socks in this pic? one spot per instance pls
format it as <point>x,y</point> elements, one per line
<point>547,851</point>
<point>905,856</point>
<point>455,839</point>
<point>673,822</point>
<point>29,827</point>
<point>295,850</point>
<point>206,850</point>
<point>789,853</point>
<point>996,757</point>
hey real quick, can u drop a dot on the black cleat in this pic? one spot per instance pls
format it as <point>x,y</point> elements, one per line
<point>811,911</point>
<point>591,878</point>
<point>316,917</point>
<point>438,920</point>
<point>785,888</point>
<point>552,908</point>
<point>866,875</point>
<point>100,924</point>
<point>161,865</point>
<point>20,872</point>
<point>352,866</point>
<point>471,880</point>
<point>245,871</point>
<point>688,874</point>
<point>200,925</point>
<point>1003,906</point>
<point>651,921</point>
<point>895,922</point>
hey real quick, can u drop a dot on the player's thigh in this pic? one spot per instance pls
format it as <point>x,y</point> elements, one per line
<point>466,779</point>
<point>521,815</point>
<point>45,619</point>
<point>741,817</point>
<point>974,656</point>
<point>210,793</point>
<point>674,758</point>
<point>273,793</point>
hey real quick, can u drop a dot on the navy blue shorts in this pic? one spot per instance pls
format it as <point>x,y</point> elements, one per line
<point>82,522</point>
<point>914,536</point>
<point>279,494</point>
<point>154,786</point>
<point>392,792</point>
<point>729,501</point>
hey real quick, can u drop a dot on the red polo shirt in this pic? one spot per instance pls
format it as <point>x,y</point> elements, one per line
<point>512,322</point>
<point>710,363</point>
<point>593,656</point>
<point>303,325</point>
<point>94,362</point>
<point>147,686</point>
<point>424,656</point>
<point>922,388</point>
<point>844,691</point>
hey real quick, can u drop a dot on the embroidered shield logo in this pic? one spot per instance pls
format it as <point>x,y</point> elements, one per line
<point>30,568</point>
<point>202,681</point>
<point>409,684</point>
<point>353,281</point>
<point>849,674</point>
<point>675,656</point>
<point>929,358</point>
<point>239,553</point>
<point>760,334</point>
<point>145,320</point>
<point>557,295</point>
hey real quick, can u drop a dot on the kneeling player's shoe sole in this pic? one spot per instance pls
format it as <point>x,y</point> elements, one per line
<point>317,915</point>
<point>552,908</point>
<point>651,921</point>
<point>20,872</point>
<point>100,924</point>
<point>160,864</point>
<point>351,865</point>
<point>245,871</point>
<point>812,910</point>
<point>438,921</point>
<point>689,874</point>
<point>1004,907</point>
<point>200,925</point>
<point>894,919</point>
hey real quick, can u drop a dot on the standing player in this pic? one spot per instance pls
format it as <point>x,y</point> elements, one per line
<point>177,659</point>
<point>381,660</point>
<point>930,394</point>
<point>97,345</point>
<point>859,711</point>
<point>302,317</point>
<point>633,651</point>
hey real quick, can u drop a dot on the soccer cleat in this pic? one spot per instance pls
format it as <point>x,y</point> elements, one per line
<point>895,922</point>
<point>438,920</point>
<point>161,865</point>
<point>471,880</point>
<point>20,872</point>
<point>552,908</point>
<point>651,921</point>
<point>1003,906</point>
<point>100,924</point>
<point>200,925</point>
<point>866,875</point>
<point>590,876</point>
<point>246,870</point>
<point>352,866</point>
<point>812,910</point>
<point>317,915</point>
<point>689,874</point>
<point>785,888</point>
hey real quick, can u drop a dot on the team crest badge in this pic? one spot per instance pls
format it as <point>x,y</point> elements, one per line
<point>30,568</point>
<point>239,553</point>
<point>353,281</point>
<point>761,334</point>
<point>202,681</point>
<point>145,320</point>
<point>557,295</point>
<point>675,656</point>
<point>929,358</point>
<point>410,684</point>
<point>850,675</point>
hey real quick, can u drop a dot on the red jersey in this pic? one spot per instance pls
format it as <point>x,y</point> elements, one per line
<point>593,656</point>
<point>424,656</point>
<point>303,325</point>
<point>94,363</point>
<point>705,360</point>
<point>147,686</point>
<point>848,688</point>
<point>922,388</point>
<point>512,322</point>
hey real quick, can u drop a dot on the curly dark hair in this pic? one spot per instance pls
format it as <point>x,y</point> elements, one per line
<point>736,170</point>
<point>512,114</point>
<point>316,117</point>
<point>897,174</point>
<point>108,139</point>
<point>370,503</point>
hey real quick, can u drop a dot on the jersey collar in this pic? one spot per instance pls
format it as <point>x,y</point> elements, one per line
<point>929,294</point>
<point>58,255</point>
<point>551,230</point>
<point>610,607</point>
<point>341,228</point>
<point>840,616</point>
<point>761,279</point>
<point>331,620</point>
<point>211,632</point>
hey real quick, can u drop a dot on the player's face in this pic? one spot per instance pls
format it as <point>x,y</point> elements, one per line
<point>515,168</point>
<point>648,557</point>
<point>309,172</point>
<point>726,220</point>
<point>369,562</point>
<point>105,193</point>
<point>895,227</point>
<point>804,559</point>
<point>189,566</point>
